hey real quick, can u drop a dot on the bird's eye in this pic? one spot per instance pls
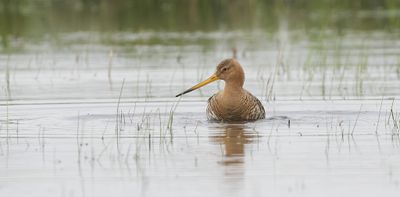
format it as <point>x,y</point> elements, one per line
<point>224,69</point>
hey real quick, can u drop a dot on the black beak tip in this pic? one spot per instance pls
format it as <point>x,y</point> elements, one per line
<point>178,95</point>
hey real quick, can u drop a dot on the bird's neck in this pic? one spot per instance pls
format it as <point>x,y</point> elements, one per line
<point>233,88</point>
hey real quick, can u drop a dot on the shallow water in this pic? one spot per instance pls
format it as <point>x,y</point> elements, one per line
<point>74,149</point>
<point>94,114</point>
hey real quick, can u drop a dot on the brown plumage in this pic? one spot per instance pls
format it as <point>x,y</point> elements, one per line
<point>233,103</point>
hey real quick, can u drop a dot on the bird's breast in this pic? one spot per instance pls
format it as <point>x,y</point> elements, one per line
<point>224,108</point>
<point>235,107</point>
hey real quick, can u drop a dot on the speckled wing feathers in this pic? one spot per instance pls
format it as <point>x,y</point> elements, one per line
<point>213,109</point>
<point>250,108</point>
<point>254,110</point>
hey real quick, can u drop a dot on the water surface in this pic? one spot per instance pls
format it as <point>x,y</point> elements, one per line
<point>90,111</point>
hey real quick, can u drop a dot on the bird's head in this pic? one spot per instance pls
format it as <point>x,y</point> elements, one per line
<point>228,70</point>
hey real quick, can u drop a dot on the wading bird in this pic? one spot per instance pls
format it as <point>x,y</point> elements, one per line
<point>233,103</point>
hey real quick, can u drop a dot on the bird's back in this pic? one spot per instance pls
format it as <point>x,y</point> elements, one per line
<point>248,108</point>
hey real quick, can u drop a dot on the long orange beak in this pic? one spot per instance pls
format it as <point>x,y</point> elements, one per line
<point>199,85</point>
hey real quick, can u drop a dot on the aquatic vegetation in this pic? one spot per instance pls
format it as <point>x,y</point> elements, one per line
<point>87,98</point>
<point>394,119</point>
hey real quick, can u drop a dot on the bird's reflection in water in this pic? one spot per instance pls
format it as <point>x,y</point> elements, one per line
<point>233,139</point>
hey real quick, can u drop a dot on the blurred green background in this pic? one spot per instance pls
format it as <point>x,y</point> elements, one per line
<point>32,19</point>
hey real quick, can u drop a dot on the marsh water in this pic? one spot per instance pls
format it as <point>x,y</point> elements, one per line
<point>91,112</point>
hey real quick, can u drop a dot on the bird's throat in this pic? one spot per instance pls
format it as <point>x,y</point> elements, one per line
<point>233,88</point>
<point>232,94</point>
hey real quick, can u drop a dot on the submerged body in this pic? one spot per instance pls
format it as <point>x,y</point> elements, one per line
<point>234,103</point>
<point>243,106</point>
